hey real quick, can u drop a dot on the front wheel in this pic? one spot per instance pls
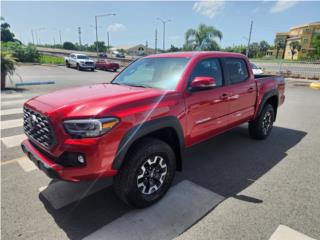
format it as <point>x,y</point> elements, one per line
<point>147,173</point>
<point>67,64</point>
<point>78,67</point>
<point>261,127</point>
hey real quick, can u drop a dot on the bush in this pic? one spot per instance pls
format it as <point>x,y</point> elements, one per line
<point>68,46</point>
<point>51,59</point>
<point>21,52</point>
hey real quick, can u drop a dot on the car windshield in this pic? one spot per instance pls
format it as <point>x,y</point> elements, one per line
<point>162,73</point>
<point>82,57</point>
<point>254,66</point>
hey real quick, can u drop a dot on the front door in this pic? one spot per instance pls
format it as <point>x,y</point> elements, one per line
<point>207,110</point>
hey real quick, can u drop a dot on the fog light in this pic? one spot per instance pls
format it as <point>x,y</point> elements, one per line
<point>81,158</point>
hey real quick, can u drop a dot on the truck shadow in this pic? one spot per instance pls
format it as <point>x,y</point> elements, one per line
<point>226,165</point>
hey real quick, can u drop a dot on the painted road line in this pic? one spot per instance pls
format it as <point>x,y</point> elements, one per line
<point>11,123</point>
<point>26,164</point>
<point>61,193</point>
<point>180,208</point>
<point>13,141</point>
<point>13,102</point>
<point>284,232</point>
<point>11,111</point>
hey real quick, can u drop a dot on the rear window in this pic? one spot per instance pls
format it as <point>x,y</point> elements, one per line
<point>236,70</point>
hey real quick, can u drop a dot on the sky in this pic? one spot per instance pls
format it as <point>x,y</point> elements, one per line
<point>135,22</point>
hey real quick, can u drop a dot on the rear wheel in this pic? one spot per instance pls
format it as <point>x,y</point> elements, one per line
<point>147,173</point>
<point>261,127</point>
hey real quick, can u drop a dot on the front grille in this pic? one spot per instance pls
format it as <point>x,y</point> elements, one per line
<point>38,128</point>
<point>89,63</point>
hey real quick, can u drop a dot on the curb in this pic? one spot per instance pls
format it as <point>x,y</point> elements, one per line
<point>40,64</point>
<point>315,85</point>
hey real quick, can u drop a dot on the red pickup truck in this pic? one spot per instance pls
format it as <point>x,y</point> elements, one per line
<point>137,127</point>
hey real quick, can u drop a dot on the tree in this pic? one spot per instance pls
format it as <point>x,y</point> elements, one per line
<point>101,47</point>
<point>279,44</point>
<point>174,49</point>
<point>263,47</point>
<point>254,49</point>
<point>295,47</point>
<point>236,49</point>
<point>8,63</point>
<point>315,43</point>
<point>68,46</point>
<point>202,38</point>
<point>6,34</point>
<point>21,52</point>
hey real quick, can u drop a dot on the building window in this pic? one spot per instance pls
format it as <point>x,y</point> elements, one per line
<point>307,30</point>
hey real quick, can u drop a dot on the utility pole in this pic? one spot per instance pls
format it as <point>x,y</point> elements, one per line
<point>60,36</point>
<point>249,39</point>
<point>164,30</point>
<point>96,22</point>
<point>146,47</point>
<point>155,41</point>
<point>108,41</point>
<point>79,32</point>
<point>32,36</point>
<point>54,41</point>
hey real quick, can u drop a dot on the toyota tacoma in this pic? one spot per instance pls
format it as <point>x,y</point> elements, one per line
<point>137,127</point>
<point>79,61</point>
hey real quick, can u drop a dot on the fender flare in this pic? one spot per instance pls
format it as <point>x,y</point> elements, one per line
<point>265,98</point>
<point>144,129</point>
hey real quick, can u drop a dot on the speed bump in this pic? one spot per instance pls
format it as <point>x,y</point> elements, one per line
<point>315,85</point>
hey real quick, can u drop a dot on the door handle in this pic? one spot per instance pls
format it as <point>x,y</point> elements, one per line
<point>250,89</point>
<point>224,96</point>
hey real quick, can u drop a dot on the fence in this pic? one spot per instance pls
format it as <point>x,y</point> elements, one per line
<point>304,69</point>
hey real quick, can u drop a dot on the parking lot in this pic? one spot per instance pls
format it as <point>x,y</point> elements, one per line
<point>231,187</point>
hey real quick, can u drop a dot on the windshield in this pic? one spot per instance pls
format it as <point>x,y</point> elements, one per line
<point>254,66</point>
<point>162,73</point>
<point>82,57</point>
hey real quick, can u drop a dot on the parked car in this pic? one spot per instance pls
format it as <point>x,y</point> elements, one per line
<point>105,64</point>
<point>80,61</point>
<point>118,54</point>
<point>256,70</point>
<point>137,127</point>
<point>102,55</point>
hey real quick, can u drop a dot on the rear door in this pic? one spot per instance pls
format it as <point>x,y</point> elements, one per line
<point>207,110</point>
<point>242,89</point>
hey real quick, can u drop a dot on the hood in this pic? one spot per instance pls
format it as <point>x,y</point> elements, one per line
<point>91,100</point>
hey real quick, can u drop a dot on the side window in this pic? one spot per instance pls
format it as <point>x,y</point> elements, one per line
<point>209,68</point>
<point>72,56</point>
<point>236,69</point>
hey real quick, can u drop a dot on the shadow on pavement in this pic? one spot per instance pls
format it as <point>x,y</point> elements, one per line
<point>226,165</point>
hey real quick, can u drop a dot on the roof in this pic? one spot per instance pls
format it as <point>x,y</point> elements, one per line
<point>192,54</point>
<point>306,25</point>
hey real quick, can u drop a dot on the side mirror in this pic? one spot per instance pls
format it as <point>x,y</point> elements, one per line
<point>202,82</point>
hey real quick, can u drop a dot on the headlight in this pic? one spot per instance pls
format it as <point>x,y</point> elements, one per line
<point>89,127</point>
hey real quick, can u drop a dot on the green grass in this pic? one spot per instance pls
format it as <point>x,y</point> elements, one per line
<point>45,59</point>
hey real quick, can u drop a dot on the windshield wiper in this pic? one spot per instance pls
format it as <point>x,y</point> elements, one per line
<point>136,85</point>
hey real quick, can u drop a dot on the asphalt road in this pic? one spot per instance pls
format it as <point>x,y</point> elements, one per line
<point>232,187</point>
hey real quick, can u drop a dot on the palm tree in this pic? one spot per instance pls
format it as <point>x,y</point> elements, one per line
<point>279,43</point>
<point>8,63</point>
<point>294,48</point>
<point>203,38</point>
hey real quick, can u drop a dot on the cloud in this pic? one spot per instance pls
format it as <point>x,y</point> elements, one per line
<point>116,27</point>
<point>208,8</point>
<point>282,5</point>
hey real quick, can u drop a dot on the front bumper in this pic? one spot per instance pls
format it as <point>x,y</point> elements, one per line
<point>56,171</point>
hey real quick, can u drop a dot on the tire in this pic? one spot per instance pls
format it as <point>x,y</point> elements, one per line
<point>148,162</point>
<point>92,69</point>
<point>115,70</point>
<point>78,67</point>
<point>67,64</point>
<point>260,128</point>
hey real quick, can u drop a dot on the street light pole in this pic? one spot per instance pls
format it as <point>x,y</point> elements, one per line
<point>249,39</point>
<point>96,22</point>
<point>164,30</point>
